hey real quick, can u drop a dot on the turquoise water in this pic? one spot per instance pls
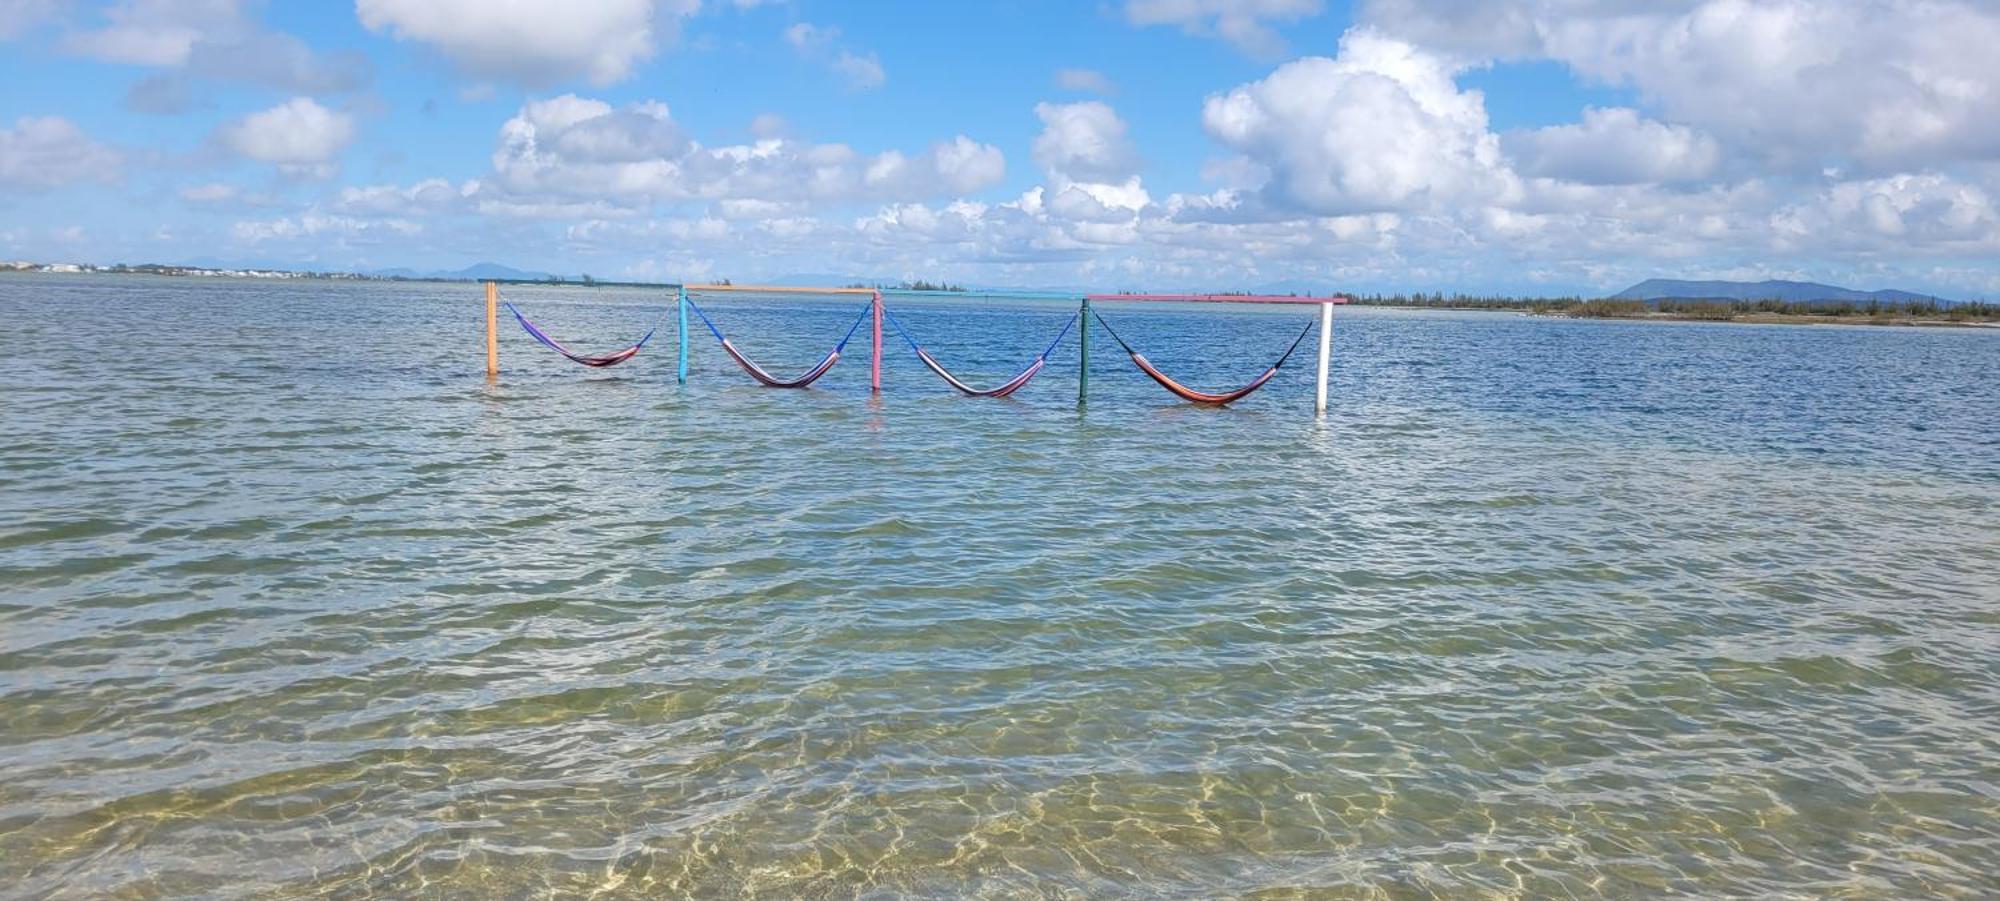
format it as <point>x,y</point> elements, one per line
<point>296,603</point>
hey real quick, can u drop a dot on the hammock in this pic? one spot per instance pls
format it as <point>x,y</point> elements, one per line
<point>1202,397</point>
<point>599,361</point>
<point>1012,385</point>
<point>758,372</point>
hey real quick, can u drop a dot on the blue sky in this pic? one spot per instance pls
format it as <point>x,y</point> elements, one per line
<point>1535,147</point>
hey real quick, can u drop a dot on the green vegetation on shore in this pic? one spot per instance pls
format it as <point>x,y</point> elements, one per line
<point>918,285</point>
<point>1916,311</point>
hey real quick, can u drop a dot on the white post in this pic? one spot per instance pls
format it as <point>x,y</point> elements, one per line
<point>1325,351</point>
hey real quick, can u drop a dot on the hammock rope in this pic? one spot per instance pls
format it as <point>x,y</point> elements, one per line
<point>596,361</point>
<point>1202,397</point>
<point>760,374</point>
<point>1009,387</point>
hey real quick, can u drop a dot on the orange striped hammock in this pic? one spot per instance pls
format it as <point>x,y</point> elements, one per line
<point>1191,395</point>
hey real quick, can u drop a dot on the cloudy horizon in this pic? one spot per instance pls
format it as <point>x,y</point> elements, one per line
<point>1532,147</point>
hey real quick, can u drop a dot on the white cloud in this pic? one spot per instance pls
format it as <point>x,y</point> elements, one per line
<point>1381,127</point>
<point>807,36</point>
<point>1083,142</point>
<point>1243,23</point>
<point>1929,211</point>
<point>158,32</point>
<point>213,192</point>
<point>1087,80</point>
<point>1616,146</point>
<point>861,71</point>
<point>18,16</point>
<point>431,195</point>
<point>348,230</point>
<point>299,136</point>
<point>1795,84</point>
<point>535,42</point>
<point>45,152</point>
<point>573,148</point>
<point>194,40</point>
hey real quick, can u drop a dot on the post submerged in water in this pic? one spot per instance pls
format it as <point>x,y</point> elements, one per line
<point>492,330</point>
<point>875,364</point>
<point>1325,353</point>
<point>681,305</point>
<point>1083,353</point>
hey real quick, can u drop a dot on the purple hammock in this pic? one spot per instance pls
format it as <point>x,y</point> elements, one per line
<point>1009,387</point>
<point>599,361</point>
<point>760,374</point>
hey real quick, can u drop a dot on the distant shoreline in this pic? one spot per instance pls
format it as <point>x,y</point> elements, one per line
<point>1600,310</point>
<point>1795,319</point>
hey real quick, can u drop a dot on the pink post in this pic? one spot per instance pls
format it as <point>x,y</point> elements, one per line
<point>875,364</point>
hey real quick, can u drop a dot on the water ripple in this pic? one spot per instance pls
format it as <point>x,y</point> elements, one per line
<point>296,605</point>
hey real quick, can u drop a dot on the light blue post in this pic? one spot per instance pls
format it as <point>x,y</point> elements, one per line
<point>682,304</point>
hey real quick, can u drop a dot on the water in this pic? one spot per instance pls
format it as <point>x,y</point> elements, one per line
<point>295,603</point>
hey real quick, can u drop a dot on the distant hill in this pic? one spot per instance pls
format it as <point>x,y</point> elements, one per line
<point>487,272</point>
<point>1794,292</point>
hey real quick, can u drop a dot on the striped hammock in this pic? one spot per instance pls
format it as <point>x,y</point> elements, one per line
<point>598,361</point>
<point>764,376</point>
<point>1190,394</point>
<point>1009,387</point>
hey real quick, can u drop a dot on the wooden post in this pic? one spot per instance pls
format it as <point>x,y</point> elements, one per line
<point>1083,354</point>
<point>875,365</point>
<point>1325,352</point>
<point>492,330</point>
<point>681,304</point>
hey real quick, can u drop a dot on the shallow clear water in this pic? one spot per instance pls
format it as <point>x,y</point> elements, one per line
<point>292,602</point>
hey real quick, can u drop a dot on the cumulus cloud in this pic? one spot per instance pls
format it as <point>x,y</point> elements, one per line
<point>1793,83</point>
<point>1616,146</point>
<point>1083,142</point>
<point>1928,211</point>
<point>298,136</point>
<point>576,148</point>
<point>1243,23</point>
<point>46,152</point>
<point>534,42</point>
<point>1381,127</point>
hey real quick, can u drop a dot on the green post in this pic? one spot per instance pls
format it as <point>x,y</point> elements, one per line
<point>681,303</point>
<point>1083,354</point>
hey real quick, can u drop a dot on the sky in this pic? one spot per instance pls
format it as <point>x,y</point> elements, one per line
<point>1537,147</point>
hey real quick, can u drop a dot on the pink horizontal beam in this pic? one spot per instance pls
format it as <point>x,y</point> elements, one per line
<point>1221,298</point>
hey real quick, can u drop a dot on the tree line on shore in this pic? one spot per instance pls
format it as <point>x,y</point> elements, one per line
<point>1720,309</point>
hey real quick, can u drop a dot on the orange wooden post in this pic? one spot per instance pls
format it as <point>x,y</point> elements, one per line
<point>492,330</point>
<point>875,366</point>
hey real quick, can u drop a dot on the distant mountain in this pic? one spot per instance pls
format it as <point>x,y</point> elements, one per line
<point>1794,292</point>
<point>492,272</point>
